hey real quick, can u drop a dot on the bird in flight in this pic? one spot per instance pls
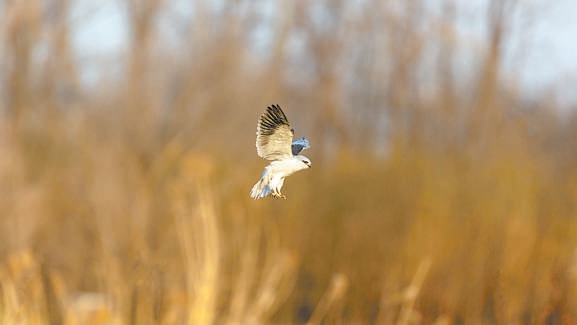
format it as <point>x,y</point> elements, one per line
<point>274,142</point>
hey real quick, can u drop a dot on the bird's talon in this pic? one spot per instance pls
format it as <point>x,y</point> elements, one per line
<point>278,195</point>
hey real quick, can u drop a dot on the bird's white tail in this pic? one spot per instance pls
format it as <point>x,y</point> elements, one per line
<point>260,189</point>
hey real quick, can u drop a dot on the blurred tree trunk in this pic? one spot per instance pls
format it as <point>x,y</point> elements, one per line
<point>60,76</point>
<point>23,30</point>
<point>141,17</point>
<point>329,125</point>
<point>406,52</point>
<point>486,122</point>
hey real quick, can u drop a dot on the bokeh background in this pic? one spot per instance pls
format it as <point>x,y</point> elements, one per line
<point>443,187</point>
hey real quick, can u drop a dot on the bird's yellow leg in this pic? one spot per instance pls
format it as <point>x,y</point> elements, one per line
<point>274,194</point>
<point>278,195</point>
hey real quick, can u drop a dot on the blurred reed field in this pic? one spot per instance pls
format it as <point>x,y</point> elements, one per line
<point>439,194</point>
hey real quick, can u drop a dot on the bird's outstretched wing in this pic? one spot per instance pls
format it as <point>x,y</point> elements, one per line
<point>299,145</point>
<point>274,135</point>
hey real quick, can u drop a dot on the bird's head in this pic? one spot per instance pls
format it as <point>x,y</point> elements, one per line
<point>306,161</point>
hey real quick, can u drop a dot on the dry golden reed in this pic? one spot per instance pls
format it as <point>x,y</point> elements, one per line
<point>124,179</point>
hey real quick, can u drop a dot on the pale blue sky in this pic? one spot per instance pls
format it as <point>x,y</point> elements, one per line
<point>542,51</point>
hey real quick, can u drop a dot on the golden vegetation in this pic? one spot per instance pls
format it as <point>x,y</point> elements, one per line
<point>124,198</point>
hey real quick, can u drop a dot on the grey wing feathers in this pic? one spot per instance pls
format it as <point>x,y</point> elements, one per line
<point>299,145</point>
<point>274,135</point>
